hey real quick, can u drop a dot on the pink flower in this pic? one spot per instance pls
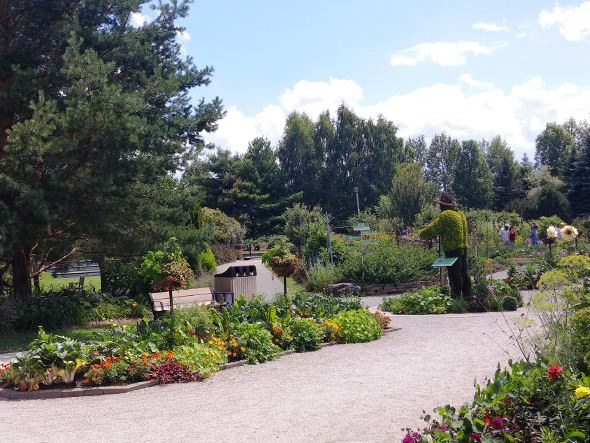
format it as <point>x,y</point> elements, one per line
<point>497,423</point>
<point>476,437</point>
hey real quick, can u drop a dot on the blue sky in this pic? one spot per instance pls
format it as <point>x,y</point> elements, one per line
<point>474,69</point>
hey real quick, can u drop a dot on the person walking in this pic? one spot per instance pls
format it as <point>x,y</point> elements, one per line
<point>512,236</point>
<point>451,225</point>
<point>534,234</point>
<point>504,233</point>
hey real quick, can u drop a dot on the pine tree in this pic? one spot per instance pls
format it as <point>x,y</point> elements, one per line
<point>94,114</point>
<point>580,182</point>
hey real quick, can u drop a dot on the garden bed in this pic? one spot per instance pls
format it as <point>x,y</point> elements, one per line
<point>78,389</point>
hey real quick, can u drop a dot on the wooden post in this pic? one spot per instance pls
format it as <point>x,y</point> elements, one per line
<point>285,283</point>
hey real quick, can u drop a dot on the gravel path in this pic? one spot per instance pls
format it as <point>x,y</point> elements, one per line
<point>340,394</point>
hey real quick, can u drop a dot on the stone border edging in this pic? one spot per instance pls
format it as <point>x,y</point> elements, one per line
<point>11,394</point>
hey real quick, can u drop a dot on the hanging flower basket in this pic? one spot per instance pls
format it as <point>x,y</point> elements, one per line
<point>284,269</point>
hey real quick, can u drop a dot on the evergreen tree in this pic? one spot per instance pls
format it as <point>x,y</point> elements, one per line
<point>552,147</point>
<point>93,116</point>
<point>472,184</point>
<point>579,191</point>
<point>410,192</point>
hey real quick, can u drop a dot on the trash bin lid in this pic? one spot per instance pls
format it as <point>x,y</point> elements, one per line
<point>238,271</point>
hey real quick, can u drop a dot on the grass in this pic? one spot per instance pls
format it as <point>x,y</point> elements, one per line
<point>293,287</point>
<point>19,341</point>
<point>47,280</point>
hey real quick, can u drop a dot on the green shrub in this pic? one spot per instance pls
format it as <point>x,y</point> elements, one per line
<point>55,309</point>
<point>257,342</point>
<point>357,326</point>
<point>8,314</point>
<point>319,276</point>
<point>201,357</point>
<point>206,261</point>
<point>391,263</point>
<point>118,278</point>
<point>306,334</point>
<point>308,304</point>
<point>509,303</point>
<point>580,338</point>
<point>425,301</point>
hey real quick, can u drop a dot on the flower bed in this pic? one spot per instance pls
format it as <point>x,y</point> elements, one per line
<point>189,346</point>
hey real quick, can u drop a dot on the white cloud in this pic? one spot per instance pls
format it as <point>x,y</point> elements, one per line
<point>183,35</point>
<point>467,78</point>
<point>443,53</point>
<point>235,131</point>
<point>574,22</point>
<point>139,20</point>
<point>490,27</point>
<point>519,115</point>
<point>315,97</point>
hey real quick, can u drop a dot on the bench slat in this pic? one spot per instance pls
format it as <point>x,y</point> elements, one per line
<point>161,300</point>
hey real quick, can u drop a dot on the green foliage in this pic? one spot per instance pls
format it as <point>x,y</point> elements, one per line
<point>357,326</point>
<point>390,263</point>
<point>472,184</point>
<point>105,108</point>
<point>545,222</point>
<point>451,225</point>
<point>409,193</point>
<point>118,278</point>
<point>425,301</point>
<point>509,303</point>
<point>258,343</point>
<point>551,201</point>
<point>196,320</point>
<point>227,230</point>
<point>207,262</point>
<point>201,358</point>
<point>320,275</point>
<point>306,334</point>
<point>581,339</point>
<point>308,304</point>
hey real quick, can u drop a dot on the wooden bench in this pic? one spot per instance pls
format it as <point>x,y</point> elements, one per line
<point>73,270</point>
<point>160,301</point>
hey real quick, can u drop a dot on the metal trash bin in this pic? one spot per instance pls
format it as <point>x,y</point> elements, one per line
<point>224,297</point>
<point>241,280</point>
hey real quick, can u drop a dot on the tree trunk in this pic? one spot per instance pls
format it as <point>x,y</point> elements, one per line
<point>21,274</point>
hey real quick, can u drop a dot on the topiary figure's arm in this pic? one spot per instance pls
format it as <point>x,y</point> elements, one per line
<point>436,227</point>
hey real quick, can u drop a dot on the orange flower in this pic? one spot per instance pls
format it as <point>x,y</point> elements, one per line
<point>86,381</point>
<point>136,371</point>
<point>148,377</point>
<point>101,378</point>
<point>93,378</point>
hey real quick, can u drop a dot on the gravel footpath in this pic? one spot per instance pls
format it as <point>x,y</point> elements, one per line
<point>340,394</point>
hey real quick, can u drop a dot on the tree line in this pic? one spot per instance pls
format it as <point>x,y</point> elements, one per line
<point>319,163</point>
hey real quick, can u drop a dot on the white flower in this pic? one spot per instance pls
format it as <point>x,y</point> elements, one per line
<point>569,233</point>
<point>552,232</point>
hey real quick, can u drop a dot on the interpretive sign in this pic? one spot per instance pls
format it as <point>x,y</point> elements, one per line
<point>444,261</point>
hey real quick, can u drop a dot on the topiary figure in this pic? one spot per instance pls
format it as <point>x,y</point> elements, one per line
<point>509,303</point>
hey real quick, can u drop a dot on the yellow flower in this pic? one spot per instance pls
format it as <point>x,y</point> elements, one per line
<point>228,352</point>
<point>134,304</point>
<point>210,342</point>
<point>277,340</point>
<point>242,349</point>
<point>234,354</point>
<point>582,391</point>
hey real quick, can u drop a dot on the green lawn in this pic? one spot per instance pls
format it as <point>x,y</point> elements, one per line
<point>47,280</point>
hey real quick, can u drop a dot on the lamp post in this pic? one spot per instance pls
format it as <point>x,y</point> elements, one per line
<point>356,191</point>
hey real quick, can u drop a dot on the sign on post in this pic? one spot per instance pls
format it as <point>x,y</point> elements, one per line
<point>440,262</point>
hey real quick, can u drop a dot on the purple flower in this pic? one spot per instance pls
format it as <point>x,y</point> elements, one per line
<point>491,288</point>
<point>476,437</point>
<point>497,423</point>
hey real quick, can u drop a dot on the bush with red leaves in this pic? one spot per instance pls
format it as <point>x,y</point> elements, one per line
<point>170,371</point>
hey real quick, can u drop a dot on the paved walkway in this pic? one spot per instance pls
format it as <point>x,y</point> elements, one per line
<point>341,394</point>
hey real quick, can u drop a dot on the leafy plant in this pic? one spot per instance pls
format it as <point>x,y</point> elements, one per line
<point>425,301</point>
<point>357,326</point>
<point>308,304</point>
<point>307,334</point>
<point>171,371</point>
<point>257,343</point>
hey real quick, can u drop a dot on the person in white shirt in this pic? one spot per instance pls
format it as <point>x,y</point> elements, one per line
<point>504,232</point>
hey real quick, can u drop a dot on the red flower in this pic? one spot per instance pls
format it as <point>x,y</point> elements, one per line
<point>553,372</point>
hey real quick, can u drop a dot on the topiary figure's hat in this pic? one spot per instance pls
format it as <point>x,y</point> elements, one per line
<point>446,199</point>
